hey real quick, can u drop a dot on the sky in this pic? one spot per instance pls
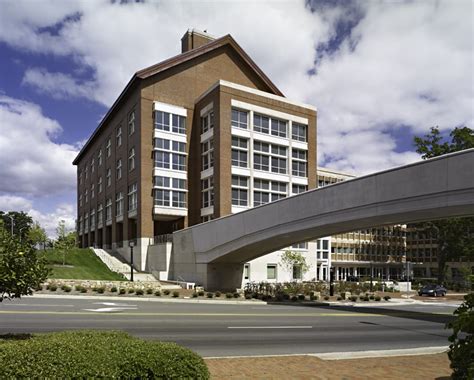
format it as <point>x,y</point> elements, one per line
<point>378,72</point>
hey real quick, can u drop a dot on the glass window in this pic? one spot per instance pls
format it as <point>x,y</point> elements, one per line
<point>207,154</point>
<point>299,162</point>
<point>162,159</point>
<point>119,204</point>
<point>207,122</point>
<point>239,190</point>
<point>278,128</point>
<point>261,123</point>
<point>297,189</point>
<point>131,123</point>
<point>119,136</point>
<point>268,191</point>
<point>179,124</point>
<point>108,210</point>
<point>239,158</point>
<point>297,272</point>
<point>207,192</point>
<point>119,168</point>
<point>131,159</point>
<point>162,121</point>
<point>99,157</point>
<point>109,177</point>
<point>278,165</point>
<point>299,132</point>
<point>132,197</point>
<point>179,161</point>
<point>179,199</point>
<point>271,271</point>
<point>108,147</point>
<point>239,118</point>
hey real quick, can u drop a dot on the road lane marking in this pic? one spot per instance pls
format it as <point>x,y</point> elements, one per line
<point>110,309</point>
<point>270,327</point>
<point>114,304</point>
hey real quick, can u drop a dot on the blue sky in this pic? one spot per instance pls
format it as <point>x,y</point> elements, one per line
<point>379,72</point>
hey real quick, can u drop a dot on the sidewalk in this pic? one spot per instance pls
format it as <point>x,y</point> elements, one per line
<point>420,367</point>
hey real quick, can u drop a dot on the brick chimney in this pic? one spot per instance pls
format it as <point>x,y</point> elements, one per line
<point>194,38</point>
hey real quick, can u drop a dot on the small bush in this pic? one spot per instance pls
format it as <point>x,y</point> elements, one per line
<point>139,292</point>
<point>195,295</point>
<point>366,299</point>
<point>228,295</point>
<point>113,289</point>
<point>312,297</point>
<point>301,297</point>
<point>209,295</point>
<point>101,289</point>
<point>386,298</point>
<point>131,291</point>
<point>361,297</point>
<point>52,288</point>
<point>122,291</point>
<point>248,296</point>
<point>67,289</point>
<point>175,294</point>
<point>83,289</point>
<point>78,288</point>
<point>339,298</point>
<point>94,288</point>
<point>326,298</point>
<point>294,298</point>
<point>286,297</point>
<point>255,295</point>
<point>63,287</point>
<point>158,293</point>
<point>353,298</point>
<point>377,298</point>
<point>149,291</point>
<point>201,293</point>
<point>166,292</point>
<point>372,297</point>
<point>236,295</point>
<point>115,355</point>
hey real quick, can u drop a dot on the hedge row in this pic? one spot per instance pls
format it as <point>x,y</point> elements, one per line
<point>94,354</point>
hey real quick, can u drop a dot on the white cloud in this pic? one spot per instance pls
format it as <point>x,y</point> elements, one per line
<point>32,162</point>
<point>405,63</point>
<point>14,203</point>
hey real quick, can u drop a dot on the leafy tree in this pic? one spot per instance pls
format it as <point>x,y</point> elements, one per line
<point>66,239</point>
<point>37,235</point>
<point>291,259</point>
<point>22,222</point>
<point>455,236</point>
<point>21,270</point>
<point>461,349</point>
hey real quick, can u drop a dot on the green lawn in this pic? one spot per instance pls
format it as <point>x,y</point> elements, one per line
<point>85,266</point>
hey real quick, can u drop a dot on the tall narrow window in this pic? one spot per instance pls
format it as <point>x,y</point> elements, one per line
<point>207,154</point>
<point>92,191</point>
<point>299,162</point>
<point>240,186</point>
<point>162,121</point>
<point>119,136</point>
<point>178,124</point>
<point>100,215</point>
<point>92,219</point>
<point>109,177</point>
<point>99,157</point>
<point>119,204</point>
<point>132,197</point>
<point>119,168</point>
<point>108,210</point>
<point>207,192</point>
<point>92,166</point>
<point>86,196</point>
<point>299,132</point>
<point>99,185</point>
<point>131,159</point>
<point>207,122</point>
<point>131,123</point>
<point>108,147</point>
<point>239,152</point>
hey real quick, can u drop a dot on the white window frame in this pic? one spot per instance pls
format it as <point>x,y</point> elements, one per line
<point>131,123</point>
<point>237,116</point>
<point>270,189</point>
<point>295,132</point>
<point>207,192</point>
<point>118,172</point>
<point>118,137</point>
<point>240,151</point>
<point>132,197</point>
<point>240,186</point>
<point>172,150</point>
<point>131,159</point>
<point>207,154</point>
<point>173,192</point>
<point>119,204</point>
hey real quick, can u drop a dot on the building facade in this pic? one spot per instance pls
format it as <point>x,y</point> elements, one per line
<point>196,137</point>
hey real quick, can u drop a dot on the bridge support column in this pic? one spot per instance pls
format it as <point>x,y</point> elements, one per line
<point>225,277</point>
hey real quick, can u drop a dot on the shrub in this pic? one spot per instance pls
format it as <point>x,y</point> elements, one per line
<point>461,349</point>
<point>353,298</point>
<point>372,297</point>
<point>69,355</point>
<point>339,298</point>
<point>218,294</point>
<point>301,297</point>
<point>195,295</point>
<point>248,296</point>
<point>312,297</point>
<point>67,289</point>
<point>386,298</point>
<point>149,291</point>
<point>209,295</point>
<point>294,298</point>
<point>94,288</point>
<point>286,297</point>
<point>131,291</point>
<point>158,293</point>
<point>83,290</point>
<point>52,288</point>
<point>236,295</point>
<point>139,292</point>
<point>362,297</point>
<point>113,289</point>
<point>122,291</point>
<point>78,288</point>
<point>175,294</point>
<point>326,298</point>
<point>101,289</point>
<point>366,299</point>
<point>201,293</point>
<point>63,287</point>
<point>377,298</point>
<point>228,295</point>
<point>166,292</point>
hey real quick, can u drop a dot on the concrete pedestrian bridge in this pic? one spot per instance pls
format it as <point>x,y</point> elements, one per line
<point>213,253</point>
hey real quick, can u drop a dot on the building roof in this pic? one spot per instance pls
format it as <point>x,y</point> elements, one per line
<point>175,61</point>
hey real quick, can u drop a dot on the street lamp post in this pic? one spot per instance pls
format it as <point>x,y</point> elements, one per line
<point>131,245</point>
<point>21,229</point>
<point>12,223</point>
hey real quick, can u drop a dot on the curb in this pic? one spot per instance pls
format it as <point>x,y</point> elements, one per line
<point>148,299</point>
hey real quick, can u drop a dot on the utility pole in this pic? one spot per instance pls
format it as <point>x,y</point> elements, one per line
<point>131,244</point>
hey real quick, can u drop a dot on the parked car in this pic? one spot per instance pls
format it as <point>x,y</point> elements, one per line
<point>433,291</point>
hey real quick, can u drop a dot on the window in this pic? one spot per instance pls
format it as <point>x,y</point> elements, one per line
<point>207,154</point>
<point>118,137</point>
<point>303,245</point>
<point>268,191</point>
<point>132,197</point>
<point>109,177</point>
<point>99,185</point>
<point>207,122</point>
<point>80,200</point>
<point>92,191</point>
<point>239,152</point>
<point>80,177</point>
<point>119,204</point>
<point>119,168</point>
<point>86,221</point>
<point>92,166</point>
<point>131,159</point>
<point>131,123</point>
<point>108,148</point>
<point>278,127</point>
<point>239,118</point>
<point>162,120</point>
<point>99,157</point>
<point>270,157</point>
<point>299,162</point>
<point>271,271</point>
<point>86,171</point>
<point>86,197</point>
<point>297,189</point>
<point>240,190</point>
<point>297,272</point>
<point>100,215</point>
<point>299,132</point>
<point>92,219</point>
<point>261,123</point>
<point>108,210</point>
<point>170,153</point>
<point>179,124</point>
<point>247,271</point>
<point>207,191</point>
<point>169,190</point>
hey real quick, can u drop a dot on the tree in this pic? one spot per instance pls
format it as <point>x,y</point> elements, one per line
<point>66,240</point>
<point>37,235</point>
<point>455,236</point>
<point>22,222</point>
<point>294,262</point>
<point>21,269</point>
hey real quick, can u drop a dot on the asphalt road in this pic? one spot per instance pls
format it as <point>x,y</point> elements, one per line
<point>239,330</point>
